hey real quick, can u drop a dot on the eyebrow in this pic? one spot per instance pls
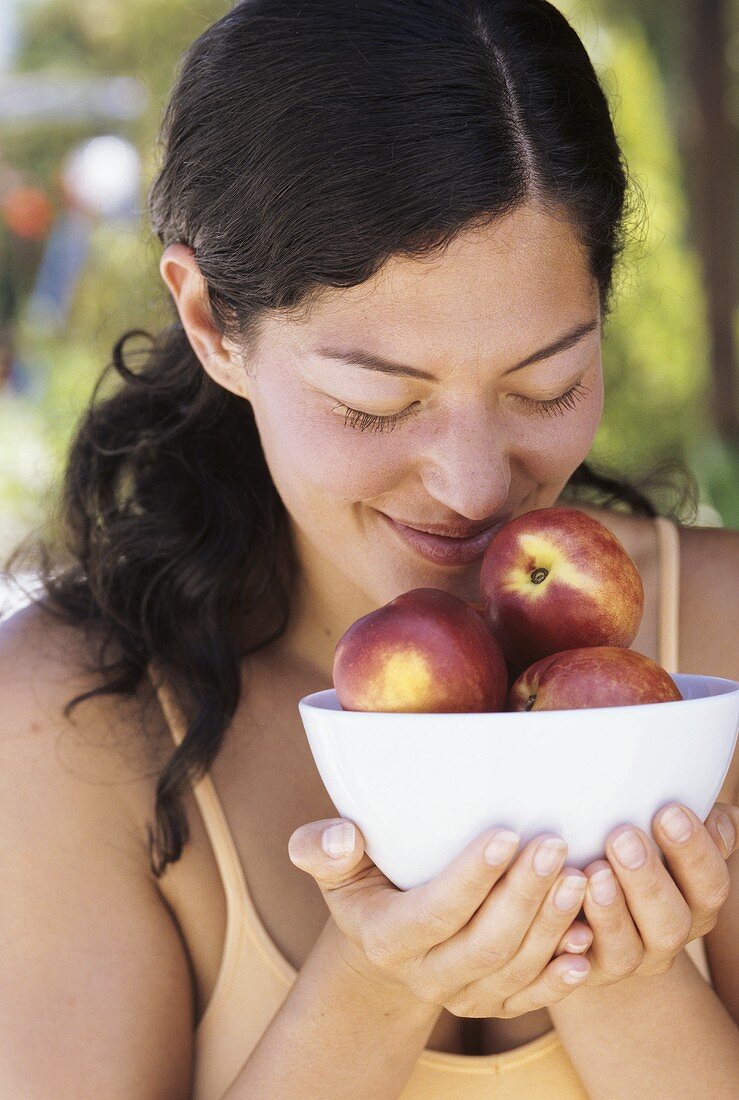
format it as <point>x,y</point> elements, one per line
<point>379,363</point>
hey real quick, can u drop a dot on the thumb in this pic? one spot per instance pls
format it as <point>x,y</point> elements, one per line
<point>352,886</point>
<point>331,851</point>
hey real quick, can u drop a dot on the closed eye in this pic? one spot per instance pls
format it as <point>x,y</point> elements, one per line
<point>555,406</point>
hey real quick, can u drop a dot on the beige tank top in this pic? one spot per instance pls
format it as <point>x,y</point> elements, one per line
<point>254,977</point>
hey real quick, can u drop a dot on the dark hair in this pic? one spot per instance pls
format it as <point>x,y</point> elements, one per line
<point>303,146</point>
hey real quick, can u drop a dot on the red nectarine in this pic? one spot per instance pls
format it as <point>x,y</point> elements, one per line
<point>555,579</point>
<point>425,651</point>
<point>596,676</point>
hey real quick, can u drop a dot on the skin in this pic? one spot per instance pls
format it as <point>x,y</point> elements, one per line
<point>471,450</point>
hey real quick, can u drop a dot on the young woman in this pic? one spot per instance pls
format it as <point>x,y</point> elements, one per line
<point>389,232</point>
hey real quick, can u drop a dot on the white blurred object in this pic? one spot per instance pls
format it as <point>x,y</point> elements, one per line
<point>707,516</point>
<point>102,176</point>
<point>9,34</point>
<point>43,96</point>
<point>14,593</point>
<point>100,179</point>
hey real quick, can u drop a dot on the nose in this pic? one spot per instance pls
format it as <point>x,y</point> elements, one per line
<point>467,467</point>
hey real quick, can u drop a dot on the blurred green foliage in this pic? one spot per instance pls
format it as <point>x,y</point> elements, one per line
<point>655,344</point>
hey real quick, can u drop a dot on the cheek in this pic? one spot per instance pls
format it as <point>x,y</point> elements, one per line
<point>352,468</point>
<point>551,447</point>
<point>310,455</point>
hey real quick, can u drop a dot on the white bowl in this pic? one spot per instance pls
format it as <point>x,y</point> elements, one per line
<point>423,786</point>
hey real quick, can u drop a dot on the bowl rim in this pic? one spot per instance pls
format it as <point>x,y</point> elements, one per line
<point>310,702</point>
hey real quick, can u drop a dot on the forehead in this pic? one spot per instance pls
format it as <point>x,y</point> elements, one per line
<point>522,277</point>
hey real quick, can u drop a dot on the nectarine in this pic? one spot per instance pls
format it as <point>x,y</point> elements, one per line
<point>595,676</point>
<point>555,579</point>
<point>425,651</point>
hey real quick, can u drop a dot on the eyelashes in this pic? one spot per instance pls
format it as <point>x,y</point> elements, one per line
<point>557,406</point>
<point>362,420</point>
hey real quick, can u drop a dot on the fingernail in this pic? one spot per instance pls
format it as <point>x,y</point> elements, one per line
<point>577,941</point>
<point>630,849</point>
<point>338,840</point>
<point>726,829</point>
<point>570,892</point>
<point>501,847</point>
<point>676,824</point>
<point>602,887</point>
<point>549,855</point>
<point>573,976</point>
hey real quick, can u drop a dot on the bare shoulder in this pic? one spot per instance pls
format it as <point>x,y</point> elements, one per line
<point>91,951</point>
<point>709,613</point>
<point>709,600</point>
<point>110,744</point>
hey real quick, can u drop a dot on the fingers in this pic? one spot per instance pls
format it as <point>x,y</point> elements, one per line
<point>643,914</point>
<point>617,948</point>
<point>331,852</point>
<point>494,934</point>
<point>723,825</point>
<point>390,922</point>
<point>660,912</point>
<point>551,925</point>
<point>576,940</point>
<point>696,855</point>
<point>430,914</point>
<point>560,978</point>
<point>361,899</point>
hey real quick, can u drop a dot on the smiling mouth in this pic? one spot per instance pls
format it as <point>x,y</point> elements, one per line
<point>444,550</point>
<point>453,531</point>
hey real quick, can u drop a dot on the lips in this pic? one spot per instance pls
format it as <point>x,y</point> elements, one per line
<point>445,549</point>
<point>449,530</point>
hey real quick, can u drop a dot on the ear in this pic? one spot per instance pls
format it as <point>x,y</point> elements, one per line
<point>219,356</point>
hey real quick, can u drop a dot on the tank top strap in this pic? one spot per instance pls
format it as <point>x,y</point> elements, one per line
<point>668,544</point>
<point>211,809</point>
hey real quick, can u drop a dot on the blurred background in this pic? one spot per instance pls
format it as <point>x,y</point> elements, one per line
<point>82,88</point>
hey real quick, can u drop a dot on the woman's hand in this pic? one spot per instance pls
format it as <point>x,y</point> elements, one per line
<point>642,914</point>
<point>478,939</point>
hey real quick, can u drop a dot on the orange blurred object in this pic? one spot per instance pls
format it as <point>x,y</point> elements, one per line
<point>27,212</point>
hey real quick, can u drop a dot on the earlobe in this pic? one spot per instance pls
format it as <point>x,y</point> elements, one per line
<point>227,372</point>
<point>218,356</point>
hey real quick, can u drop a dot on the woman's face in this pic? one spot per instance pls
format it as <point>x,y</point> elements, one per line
<point>474,439</point>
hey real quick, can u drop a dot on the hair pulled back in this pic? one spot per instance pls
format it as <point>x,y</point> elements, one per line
<point>303,145</point>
